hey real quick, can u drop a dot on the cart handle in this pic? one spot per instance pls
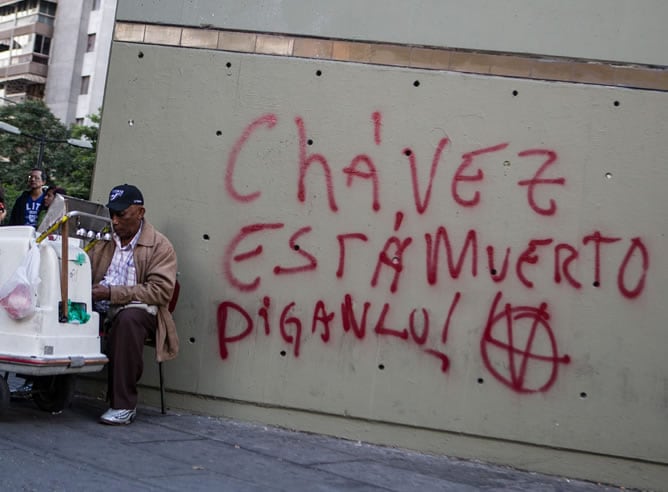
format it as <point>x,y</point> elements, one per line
<point>65,218</point>
<point>63,223</point>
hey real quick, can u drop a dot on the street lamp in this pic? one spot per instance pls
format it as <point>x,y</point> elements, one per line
<point>6,127</point>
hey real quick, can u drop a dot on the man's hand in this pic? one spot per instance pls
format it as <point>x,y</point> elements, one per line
<point>101,292</point>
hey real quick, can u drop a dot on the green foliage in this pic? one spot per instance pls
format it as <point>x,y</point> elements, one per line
<point>64,165</point>
<point>80,173</point>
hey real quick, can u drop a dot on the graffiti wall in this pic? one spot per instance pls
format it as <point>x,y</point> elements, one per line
<point>448,252</point>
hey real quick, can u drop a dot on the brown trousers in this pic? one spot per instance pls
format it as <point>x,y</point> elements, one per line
<point>125,349</point>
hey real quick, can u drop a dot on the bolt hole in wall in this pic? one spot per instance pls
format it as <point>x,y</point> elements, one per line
<point>310,142</point>
<point>616,103</point>
<point>583,395</point>
<point>131,122</point>
<point>228,65</point>
<point>381,366</point>
<point>596,284</point>
<point>218,133</point>
<point>140,54</point>
<point>608,175</point>
<point>296,247</point>
<point>515,93</point>
<point>191,339</point>
<point>283,353</point>
<point>205,237</point>
<point>481,380</point>
<point>318,73</point>
<point>416,83</point>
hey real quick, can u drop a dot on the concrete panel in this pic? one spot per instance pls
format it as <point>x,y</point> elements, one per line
<point>452,252</point>
<point>615,30</point>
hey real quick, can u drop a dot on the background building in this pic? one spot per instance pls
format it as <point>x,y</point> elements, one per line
<point>57,51</point>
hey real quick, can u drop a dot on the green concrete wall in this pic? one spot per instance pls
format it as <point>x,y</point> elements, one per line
<point>461,264</point>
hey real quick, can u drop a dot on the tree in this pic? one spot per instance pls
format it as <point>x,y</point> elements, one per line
<point>80,173</point>
<point>64,165</point>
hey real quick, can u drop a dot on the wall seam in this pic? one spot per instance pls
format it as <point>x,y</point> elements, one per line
<point>514,65</point>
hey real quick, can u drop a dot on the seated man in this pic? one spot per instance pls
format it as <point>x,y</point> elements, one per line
<point>133,279</point>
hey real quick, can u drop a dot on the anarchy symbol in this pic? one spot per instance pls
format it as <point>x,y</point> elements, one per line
<point>530,366</point>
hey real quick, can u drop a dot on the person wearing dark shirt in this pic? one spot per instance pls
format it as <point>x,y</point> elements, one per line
<point>25,212</point>
<point>27,205</point>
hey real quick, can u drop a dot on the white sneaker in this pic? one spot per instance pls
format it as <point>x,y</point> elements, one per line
<point>118,416</point>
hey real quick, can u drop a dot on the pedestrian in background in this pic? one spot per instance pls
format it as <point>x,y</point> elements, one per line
<point>50,194</point>
<point>28,204</point>
<point>49,197</point>
<point>3,209</point>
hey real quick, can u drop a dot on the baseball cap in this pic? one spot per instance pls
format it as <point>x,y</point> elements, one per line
<point>122,196</point>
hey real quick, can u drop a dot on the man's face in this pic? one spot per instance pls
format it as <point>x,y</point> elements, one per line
<point>35,180</point>
<point>127,223</point>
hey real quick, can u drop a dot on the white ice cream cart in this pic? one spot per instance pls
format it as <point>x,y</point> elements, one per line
<point>59,336</point>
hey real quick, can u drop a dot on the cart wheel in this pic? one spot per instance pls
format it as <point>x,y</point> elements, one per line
<point>53,393</point>
<point>4,395</point>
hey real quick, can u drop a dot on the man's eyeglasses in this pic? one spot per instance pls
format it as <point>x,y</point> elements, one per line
<point>36,178</point>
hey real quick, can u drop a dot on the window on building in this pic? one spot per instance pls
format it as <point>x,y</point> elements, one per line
<point>85,82</point>
<point>42,44</point>
<point>48,8</point>
<point>7,13</point>
<point>26,8</point>
<point>35,91</point>
<point>91,43</point>
<point>79,121</point>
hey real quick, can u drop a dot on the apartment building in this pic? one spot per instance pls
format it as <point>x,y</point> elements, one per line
<point>57,51</point>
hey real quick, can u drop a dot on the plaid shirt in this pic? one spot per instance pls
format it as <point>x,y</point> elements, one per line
<point>122,270</point>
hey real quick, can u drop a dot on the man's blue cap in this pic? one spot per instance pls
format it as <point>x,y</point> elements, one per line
<point>122,196</point>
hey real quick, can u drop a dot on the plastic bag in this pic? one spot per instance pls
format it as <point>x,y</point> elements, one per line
<point>76,313</point>
<point>18,295</point>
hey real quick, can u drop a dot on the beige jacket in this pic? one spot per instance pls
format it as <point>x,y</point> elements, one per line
<point>155,265</point>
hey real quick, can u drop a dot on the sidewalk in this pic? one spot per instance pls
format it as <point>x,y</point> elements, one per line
<point>71,451</point>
